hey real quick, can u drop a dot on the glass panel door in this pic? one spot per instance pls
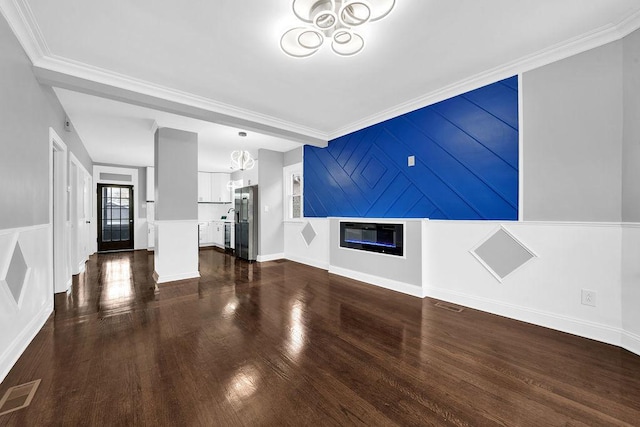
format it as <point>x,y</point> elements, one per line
<point>115,217</point>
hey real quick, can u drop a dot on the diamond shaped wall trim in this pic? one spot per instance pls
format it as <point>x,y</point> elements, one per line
<point>15,274</point>
<point>502,254</point>
<point>308,234</point>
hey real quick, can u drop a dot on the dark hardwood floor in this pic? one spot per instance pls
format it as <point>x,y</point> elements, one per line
<point>280,343</point>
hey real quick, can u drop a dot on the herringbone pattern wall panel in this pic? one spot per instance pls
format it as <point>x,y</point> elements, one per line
<point>466,152</point>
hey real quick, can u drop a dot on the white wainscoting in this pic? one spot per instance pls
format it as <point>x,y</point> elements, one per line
<point>316,253</point>
<point>176,250</point>
<point>631,287</point>
<point>20,322</point>
<point>546,290</point>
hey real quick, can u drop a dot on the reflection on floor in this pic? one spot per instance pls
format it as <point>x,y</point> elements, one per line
<point>280,343</point>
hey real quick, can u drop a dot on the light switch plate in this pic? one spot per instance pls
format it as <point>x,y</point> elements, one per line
<point>411,161</point>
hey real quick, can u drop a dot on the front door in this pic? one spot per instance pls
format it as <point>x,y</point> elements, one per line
<point>115,217</point>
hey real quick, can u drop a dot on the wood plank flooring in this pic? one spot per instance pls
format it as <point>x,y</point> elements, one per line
<point>280,343</point>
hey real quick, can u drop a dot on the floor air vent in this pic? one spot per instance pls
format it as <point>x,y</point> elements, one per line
<point>18,397</point>
<point>449,307</point>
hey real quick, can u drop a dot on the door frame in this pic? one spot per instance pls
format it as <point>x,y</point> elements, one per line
<point>132,213</point>
<point>103,174</point>
<point>58,212</point>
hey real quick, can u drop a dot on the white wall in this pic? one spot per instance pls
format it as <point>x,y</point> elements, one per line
<point>296,248</point>
<point>547,289</point>
<point>19,323</point>
<point>631,286</point>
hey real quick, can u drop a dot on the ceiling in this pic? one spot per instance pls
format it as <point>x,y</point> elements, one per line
<point>224,57</point>
<point>120,133</point>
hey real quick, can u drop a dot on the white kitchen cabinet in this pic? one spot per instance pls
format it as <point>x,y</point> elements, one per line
<point>212,187</point>
<point>204,233</point>
<point>204,187</point>
<point>220,191</point>
<point>218,233</point>
<point>151,184</point>
<point>212,233</point>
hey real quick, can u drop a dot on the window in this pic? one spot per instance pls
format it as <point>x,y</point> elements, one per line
<point>292,176</point>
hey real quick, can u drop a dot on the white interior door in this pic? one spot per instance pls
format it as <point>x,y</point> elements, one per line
<point>88,215</point>
<point>80,218</point>
<point>59,211</point>
<point>73,218</point>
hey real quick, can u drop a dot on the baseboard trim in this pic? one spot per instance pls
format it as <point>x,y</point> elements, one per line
<point>382,282</point>
<point>571,325</point>
<point>631,342</point>
<point>175,277</point>
<point>308,261</point>
<point>13,352</point>
<point>270,257</point>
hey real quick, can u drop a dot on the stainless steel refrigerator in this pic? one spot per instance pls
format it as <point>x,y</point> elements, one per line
<point>246,209</point>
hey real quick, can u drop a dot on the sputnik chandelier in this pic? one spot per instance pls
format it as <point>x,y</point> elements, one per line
<point>334,21</point>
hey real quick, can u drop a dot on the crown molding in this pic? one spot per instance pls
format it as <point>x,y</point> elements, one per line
<point>99,75</point>
<point>590,40</point>
<point>628,24</point>
<point>24,25</point>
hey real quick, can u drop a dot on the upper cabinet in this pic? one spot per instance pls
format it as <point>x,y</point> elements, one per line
<point>220,189</point>
<point>151,185</point>
<point>213,187</point>
<point>204,187</point>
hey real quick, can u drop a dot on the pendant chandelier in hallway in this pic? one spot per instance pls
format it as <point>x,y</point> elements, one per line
<point>242,159</point>
<point>334,21</point>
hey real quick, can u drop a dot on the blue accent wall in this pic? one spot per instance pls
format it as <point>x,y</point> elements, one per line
<point>466,152</point>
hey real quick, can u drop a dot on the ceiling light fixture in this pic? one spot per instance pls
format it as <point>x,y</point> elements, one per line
<point>241,159</point>
<point>334,20</point>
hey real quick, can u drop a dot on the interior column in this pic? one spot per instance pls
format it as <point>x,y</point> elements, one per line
<point>176,205</point>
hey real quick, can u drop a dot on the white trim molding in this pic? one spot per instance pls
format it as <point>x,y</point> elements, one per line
<point>25,27</point>
<point>269,257</point>
<point>175,277</point>
<point>309,261</point>
<point>631,342</point>
<point>394,285</point>
<point>580,327</point>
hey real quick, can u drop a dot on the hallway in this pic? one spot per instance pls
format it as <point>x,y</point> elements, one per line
<point>281,343</point>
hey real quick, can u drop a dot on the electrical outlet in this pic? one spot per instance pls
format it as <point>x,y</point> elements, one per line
<point>588,297</point>
<point>411,161</point>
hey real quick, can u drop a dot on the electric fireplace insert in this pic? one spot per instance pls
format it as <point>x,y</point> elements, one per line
<point>366,236</point>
